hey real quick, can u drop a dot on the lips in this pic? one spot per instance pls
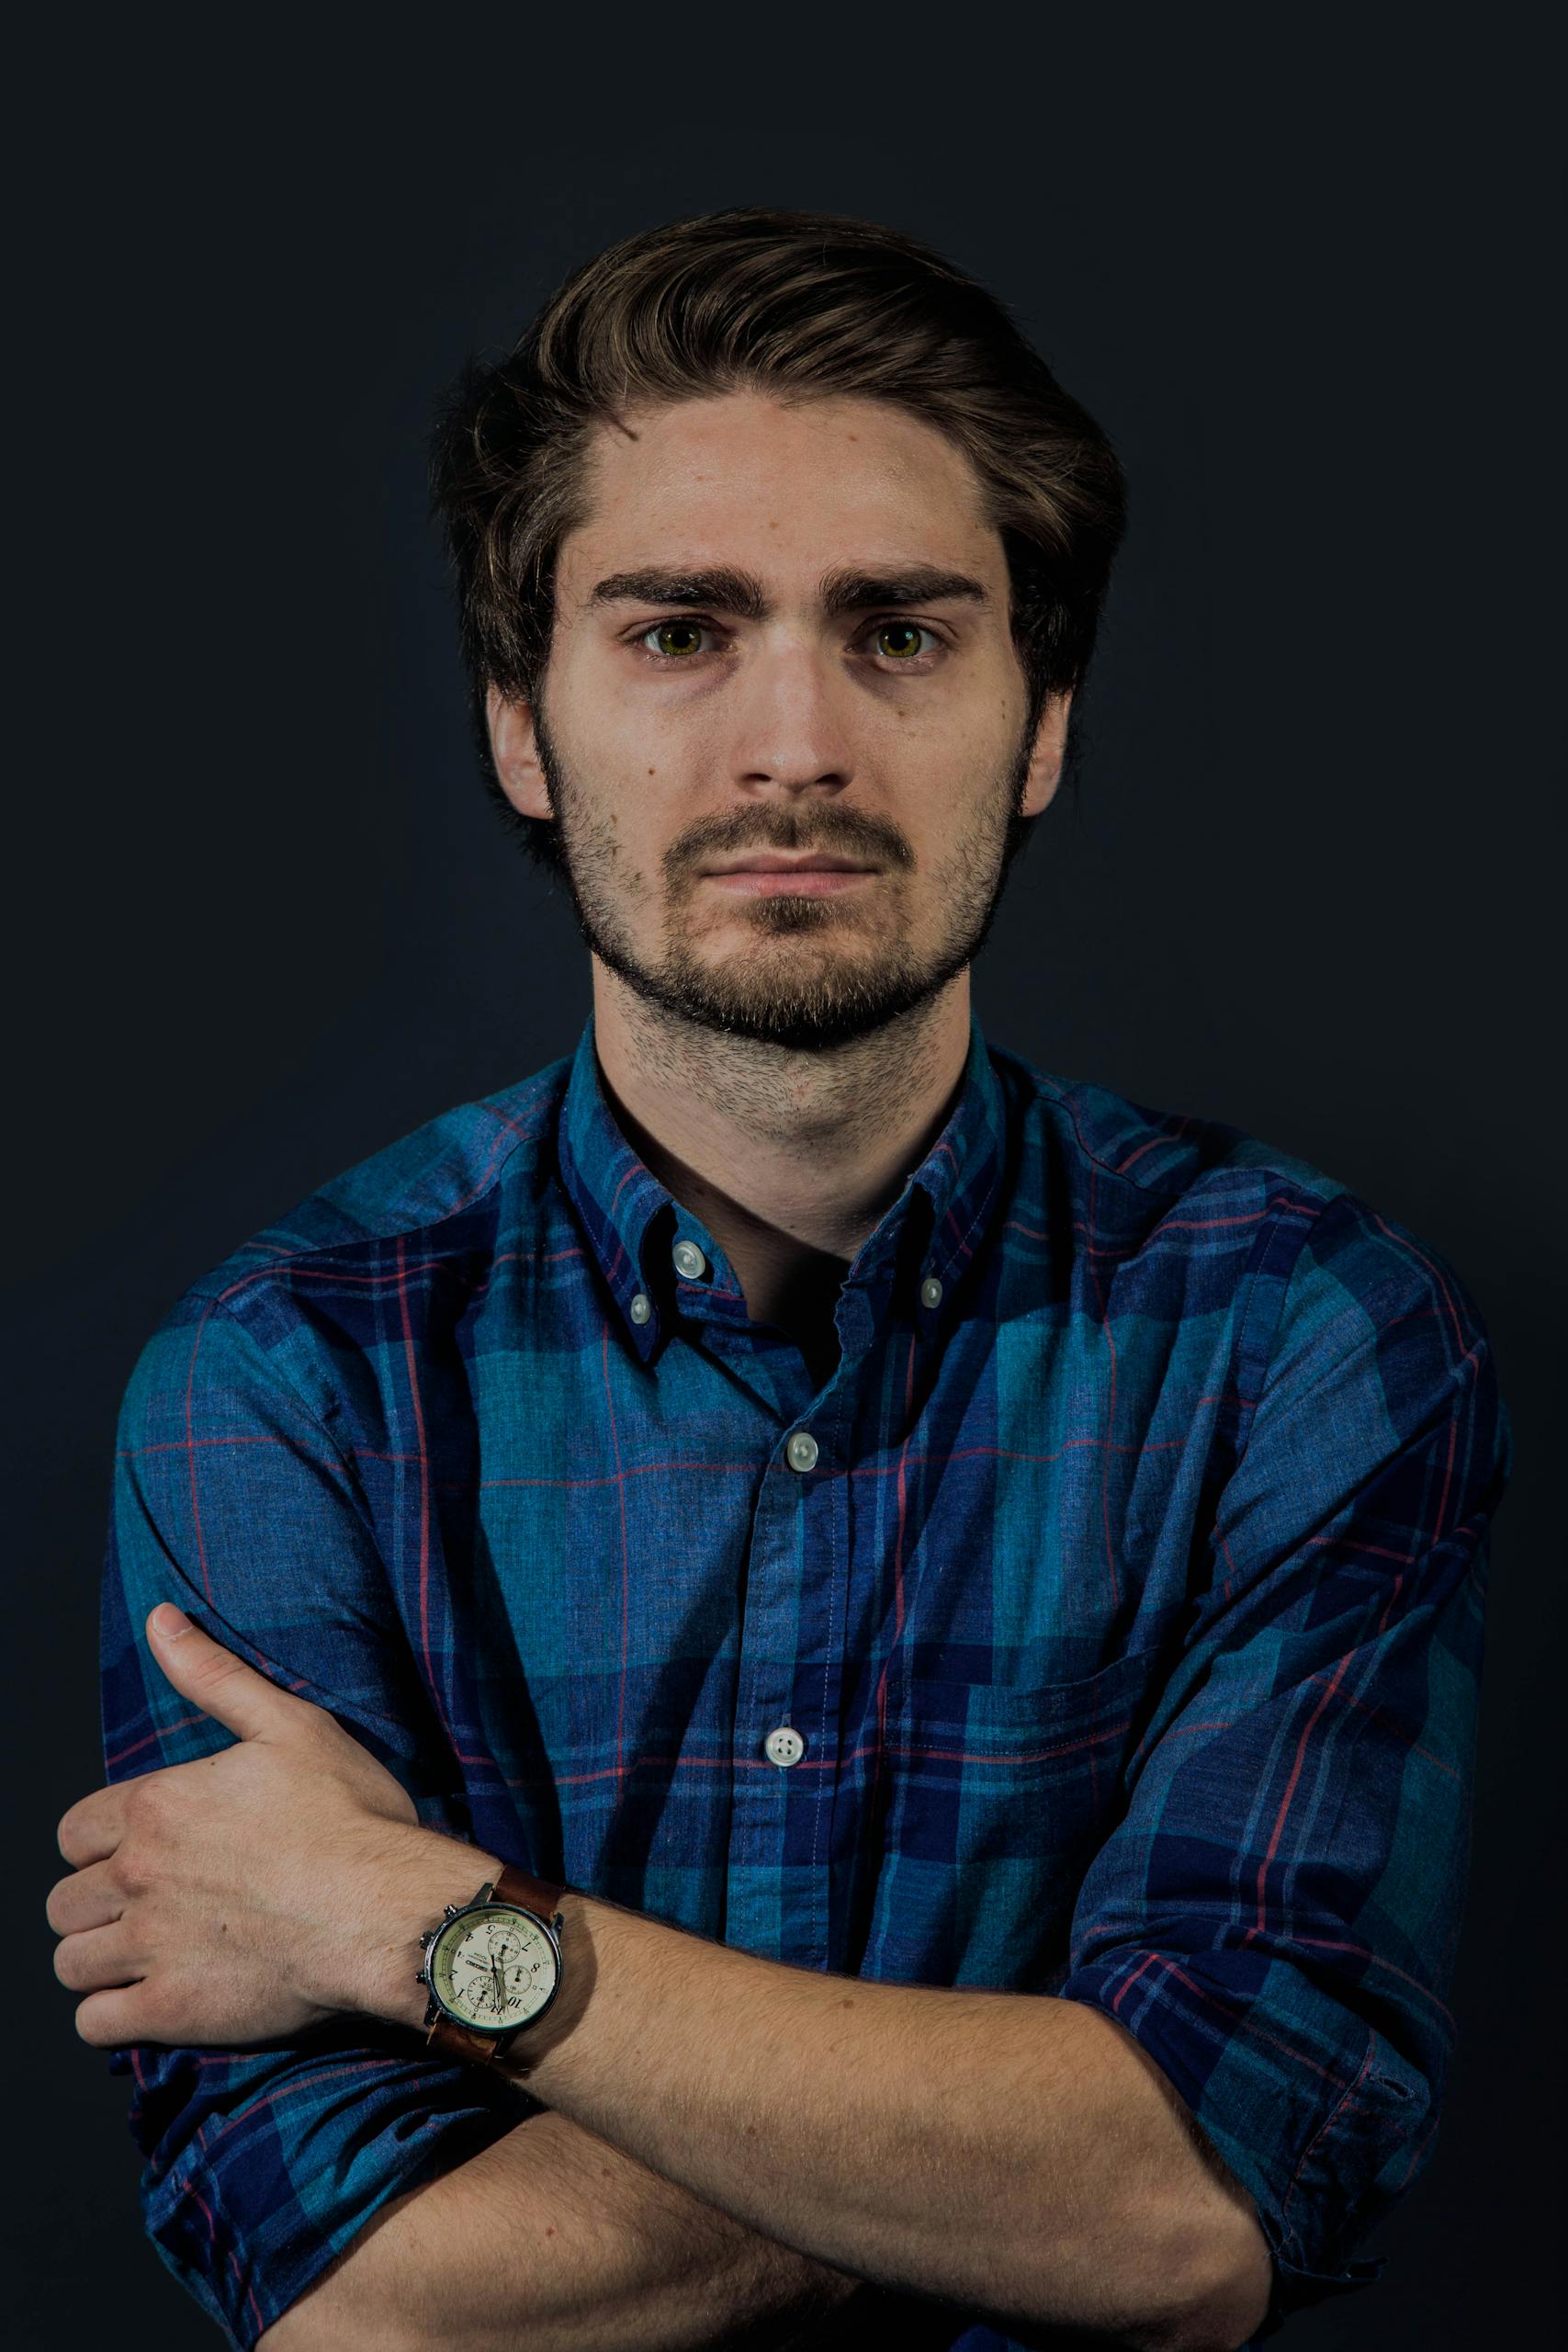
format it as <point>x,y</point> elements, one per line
<point>797,879</point>
<point>770,861</point>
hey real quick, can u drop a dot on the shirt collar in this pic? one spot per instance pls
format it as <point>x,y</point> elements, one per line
<point>633,1225</point>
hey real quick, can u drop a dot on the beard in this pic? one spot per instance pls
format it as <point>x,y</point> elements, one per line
<point>809,979</point>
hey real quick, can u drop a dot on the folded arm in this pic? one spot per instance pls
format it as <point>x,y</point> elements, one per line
<point>1003,2152</point>
<point>553,2238</point>
<point>1007,2154</point>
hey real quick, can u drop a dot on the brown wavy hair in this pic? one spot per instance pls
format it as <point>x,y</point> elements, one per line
<point>795,304</point>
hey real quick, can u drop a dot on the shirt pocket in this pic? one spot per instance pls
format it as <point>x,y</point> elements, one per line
<point>997,1796</point>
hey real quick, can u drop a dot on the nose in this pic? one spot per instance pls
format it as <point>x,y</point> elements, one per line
<point>792,729</point>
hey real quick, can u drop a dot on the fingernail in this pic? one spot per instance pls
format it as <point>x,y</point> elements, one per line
<point>170,1621</point>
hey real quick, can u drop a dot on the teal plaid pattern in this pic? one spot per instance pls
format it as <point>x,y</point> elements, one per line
<point>1129,1617</point>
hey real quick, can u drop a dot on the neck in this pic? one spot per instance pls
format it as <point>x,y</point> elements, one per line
<point>790,1159</point>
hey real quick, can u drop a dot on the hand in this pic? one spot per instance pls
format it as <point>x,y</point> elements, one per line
<point>225,1900</point>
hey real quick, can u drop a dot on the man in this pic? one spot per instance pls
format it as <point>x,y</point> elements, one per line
<point>938,1609</point>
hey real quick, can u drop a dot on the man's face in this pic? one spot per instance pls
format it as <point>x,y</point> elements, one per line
<point>848,689</point>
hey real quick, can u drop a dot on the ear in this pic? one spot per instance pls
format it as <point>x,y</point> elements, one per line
<point>1046,761</point>
<point>516,754</point>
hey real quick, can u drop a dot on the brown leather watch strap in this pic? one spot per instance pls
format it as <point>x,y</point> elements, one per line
<point>535,1894</point>
<point>510,1885</point>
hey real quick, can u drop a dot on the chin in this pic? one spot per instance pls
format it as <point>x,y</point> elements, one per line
<point>780,1012</point>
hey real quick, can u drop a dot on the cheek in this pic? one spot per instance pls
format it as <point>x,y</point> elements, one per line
<point>957,854</point>
<point>627,854</point>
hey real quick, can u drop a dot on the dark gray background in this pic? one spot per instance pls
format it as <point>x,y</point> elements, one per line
<point>1310,881</point>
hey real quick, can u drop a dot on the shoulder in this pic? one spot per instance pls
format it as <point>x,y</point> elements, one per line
<point>1094,1134</point>
<point>1323,1264</point>
<point>445,1198</point>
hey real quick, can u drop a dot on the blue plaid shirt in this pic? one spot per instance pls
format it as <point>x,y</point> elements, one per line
<point>1125,1607</point>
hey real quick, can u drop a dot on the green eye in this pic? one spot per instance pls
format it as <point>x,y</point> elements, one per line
<point>902,628</point>
<point>663,630</point>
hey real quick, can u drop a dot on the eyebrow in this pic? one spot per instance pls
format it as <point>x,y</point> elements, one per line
<point>741,594</point>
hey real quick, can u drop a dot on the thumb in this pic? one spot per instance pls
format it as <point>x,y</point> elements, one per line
<point>223,1686</point>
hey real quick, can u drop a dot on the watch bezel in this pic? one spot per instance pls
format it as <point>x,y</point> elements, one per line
<point>461,1920</point>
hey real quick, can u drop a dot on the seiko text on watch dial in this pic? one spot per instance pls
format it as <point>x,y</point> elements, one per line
<point>495,1971</point>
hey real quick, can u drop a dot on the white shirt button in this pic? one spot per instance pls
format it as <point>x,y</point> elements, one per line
<point>930,1292</point>
<point>802,1451</point>
<point>785,1745</point>
<point>688,1261</point>
<point>641,1310</point>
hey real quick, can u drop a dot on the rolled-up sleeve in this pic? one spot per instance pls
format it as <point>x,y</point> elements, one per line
<point>231,1498</point>
<point>1276,1915</point>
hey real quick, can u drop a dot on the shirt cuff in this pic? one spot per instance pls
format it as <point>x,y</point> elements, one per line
<point>1313,2111</point>
<point>262,2165</point>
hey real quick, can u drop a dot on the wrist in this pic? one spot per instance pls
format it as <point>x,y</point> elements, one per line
<point>403,1892</point>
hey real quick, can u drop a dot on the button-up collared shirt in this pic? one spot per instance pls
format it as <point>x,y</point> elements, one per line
<point>1105,1626</point>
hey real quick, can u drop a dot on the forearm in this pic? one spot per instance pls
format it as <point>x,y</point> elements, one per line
<point>1011,2155</point>
<point>552,2238</point>
<point>1001,2153</point>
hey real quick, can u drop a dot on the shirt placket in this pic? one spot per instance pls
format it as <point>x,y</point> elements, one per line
<point>798,1595</point>
<point>788,1692</point>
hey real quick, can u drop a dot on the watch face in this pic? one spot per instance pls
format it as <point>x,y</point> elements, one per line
<point>494,1969</point>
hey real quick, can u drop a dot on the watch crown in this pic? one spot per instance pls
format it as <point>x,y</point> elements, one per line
<point>420,1977</point>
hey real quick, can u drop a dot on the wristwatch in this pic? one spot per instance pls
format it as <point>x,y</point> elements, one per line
<point>493,1966</point>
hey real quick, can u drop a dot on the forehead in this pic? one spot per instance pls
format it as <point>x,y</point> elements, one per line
<point>745,477</point>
